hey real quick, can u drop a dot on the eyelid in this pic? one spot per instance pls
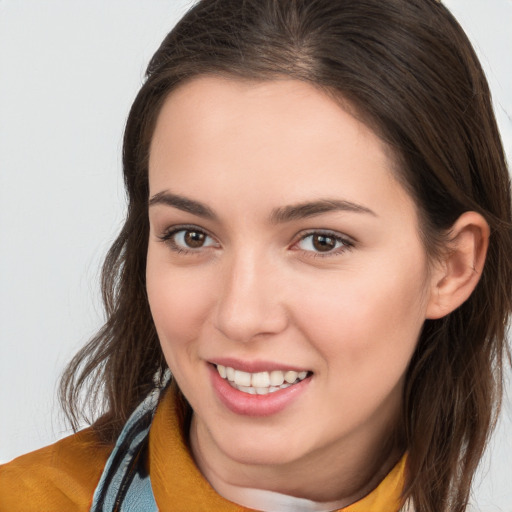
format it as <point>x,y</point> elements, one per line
<point>167,237</point>
<point>348,243</point>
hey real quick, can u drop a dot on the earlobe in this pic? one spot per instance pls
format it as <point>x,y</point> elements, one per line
<point>457,274</point>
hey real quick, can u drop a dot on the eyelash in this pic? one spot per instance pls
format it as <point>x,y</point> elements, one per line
<point>168,238</point>
<point>346,244</point>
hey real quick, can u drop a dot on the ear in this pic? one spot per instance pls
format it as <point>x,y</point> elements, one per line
<point>458,271</point>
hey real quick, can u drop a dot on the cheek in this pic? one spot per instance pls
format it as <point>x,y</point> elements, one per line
<point>370,318</point>
<point>366,333</point>
<point>179,302</point>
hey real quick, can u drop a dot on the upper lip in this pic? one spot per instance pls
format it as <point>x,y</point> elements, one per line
<point>256,365</point>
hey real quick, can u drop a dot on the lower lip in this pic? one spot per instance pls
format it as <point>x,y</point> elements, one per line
<point>255,405</point>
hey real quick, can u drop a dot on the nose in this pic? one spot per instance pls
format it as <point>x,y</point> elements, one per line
<point>250,303</point>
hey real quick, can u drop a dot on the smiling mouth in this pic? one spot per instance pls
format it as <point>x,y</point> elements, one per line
<point>261,383</point>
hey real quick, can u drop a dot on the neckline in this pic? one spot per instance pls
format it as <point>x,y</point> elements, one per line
<point>175,476</point>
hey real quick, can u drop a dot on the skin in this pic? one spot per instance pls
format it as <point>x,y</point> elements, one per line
<point>258,290</point>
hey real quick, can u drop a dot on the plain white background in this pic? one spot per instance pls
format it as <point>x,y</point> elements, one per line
<point>68,74</point>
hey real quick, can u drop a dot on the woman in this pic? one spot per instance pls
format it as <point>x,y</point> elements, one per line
<point>317,247</point>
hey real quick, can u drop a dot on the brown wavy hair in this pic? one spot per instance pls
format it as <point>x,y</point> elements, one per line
<point>408,71</point>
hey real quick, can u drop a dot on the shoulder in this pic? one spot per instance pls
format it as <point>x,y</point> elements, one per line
<point>59,477</point>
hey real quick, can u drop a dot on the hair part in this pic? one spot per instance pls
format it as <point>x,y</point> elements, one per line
<point>406,69</point>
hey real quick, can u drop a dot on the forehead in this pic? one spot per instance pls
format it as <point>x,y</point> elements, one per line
<point>270,138</point>
<point>212,103</point>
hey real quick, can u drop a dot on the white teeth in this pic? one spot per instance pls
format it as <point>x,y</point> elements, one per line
<point>276,378</point>
<point>260,383</point>
<point>291,377</point>
<point>242,378</point>
<point>230,373</point>
<point>222,371</point>
<point>246,389</point>
<point>260,380</point>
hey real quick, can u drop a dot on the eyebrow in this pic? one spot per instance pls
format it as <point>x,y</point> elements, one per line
<point>278,216</point>
<point>312,208</point>
<point>183,203</point>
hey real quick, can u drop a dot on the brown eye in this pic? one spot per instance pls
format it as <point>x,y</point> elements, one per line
<point>323,243</point>
<point>188,239</point>
<point>194,239</point>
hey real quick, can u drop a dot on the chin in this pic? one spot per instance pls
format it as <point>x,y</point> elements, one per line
<point>268,446</point>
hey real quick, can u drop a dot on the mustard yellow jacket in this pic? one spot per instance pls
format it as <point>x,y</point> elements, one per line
<point>62,477</point>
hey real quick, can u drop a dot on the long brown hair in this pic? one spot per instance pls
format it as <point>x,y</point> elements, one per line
<point>407,69</point>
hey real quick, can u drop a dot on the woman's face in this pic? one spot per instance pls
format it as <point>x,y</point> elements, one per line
<point>281,247</point>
